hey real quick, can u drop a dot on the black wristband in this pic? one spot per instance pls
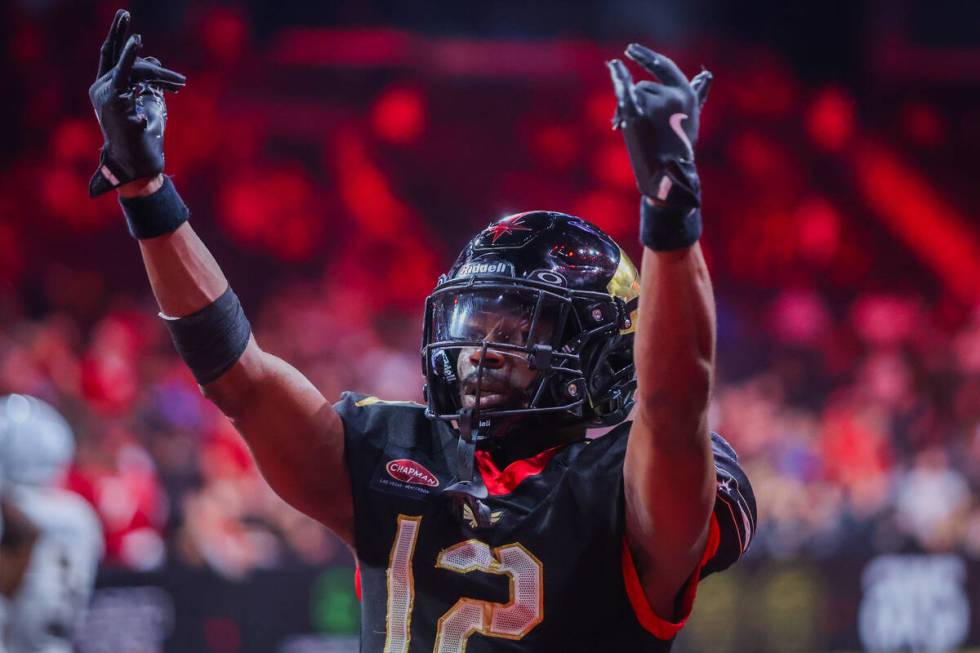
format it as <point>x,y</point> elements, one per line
<point>666,228</point>
<point>211,340</point>
<point>156,214</point>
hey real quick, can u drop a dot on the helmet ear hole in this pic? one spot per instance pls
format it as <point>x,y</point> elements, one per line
<point>611,379</point>
<point>602,371</point>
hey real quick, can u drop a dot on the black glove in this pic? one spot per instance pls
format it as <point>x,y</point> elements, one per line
<point>660,122</point>
<point>660,125</point>
<point>128,100</point>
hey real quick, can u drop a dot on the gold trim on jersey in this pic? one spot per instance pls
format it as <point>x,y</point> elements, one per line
<point>370,401</point>
<point>398,642</point>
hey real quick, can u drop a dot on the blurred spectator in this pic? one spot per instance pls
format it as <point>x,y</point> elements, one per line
<point>932,501</point>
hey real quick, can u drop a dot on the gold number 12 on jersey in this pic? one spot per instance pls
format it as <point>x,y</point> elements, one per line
<point>511,620</point>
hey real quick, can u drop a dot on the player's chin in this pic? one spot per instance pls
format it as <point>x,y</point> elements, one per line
<point>490,400</point>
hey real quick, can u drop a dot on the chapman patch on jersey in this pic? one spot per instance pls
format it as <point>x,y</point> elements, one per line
<point>405,477</point>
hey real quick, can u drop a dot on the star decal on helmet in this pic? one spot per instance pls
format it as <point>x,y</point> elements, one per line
<point>505,227</point>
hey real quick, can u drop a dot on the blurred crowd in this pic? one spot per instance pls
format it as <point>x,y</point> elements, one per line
<point>861,435</point>
<point>334,194</point>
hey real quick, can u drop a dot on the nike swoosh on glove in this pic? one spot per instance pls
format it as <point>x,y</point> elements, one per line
<point>659,121</point>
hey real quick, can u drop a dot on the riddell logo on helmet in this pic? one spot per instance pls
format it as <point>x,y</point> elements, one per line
<point>409,471</point>
<point>475,269</point>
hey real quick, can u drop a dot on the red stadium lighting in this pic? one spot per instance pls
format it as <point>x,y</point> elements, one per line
<point>830,121</point>
<point>399,115</point>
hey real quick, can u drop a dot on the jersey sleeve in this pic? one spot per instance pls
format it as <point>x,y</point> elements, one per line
<point>735,509</point>
<point>371,423</point>
<point>730,529</point>
<point>367,427</point>
<point>362,428</point>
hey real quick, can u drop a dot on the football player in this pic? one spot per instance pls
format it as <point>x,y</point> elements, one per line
<point>18,536</point>
<point>17,540</point>
<point>56,572</point>
<point>16,543</point>
<point>487,520</point>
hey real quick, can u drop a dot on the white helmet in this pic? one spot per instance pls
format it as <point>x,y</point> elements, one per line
<point>36,443</point>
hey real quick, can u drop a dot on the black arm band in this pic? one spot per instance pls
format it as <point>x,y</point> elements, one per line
<point>156,214</point>
<point>666,228</point>
<point>211,340</point>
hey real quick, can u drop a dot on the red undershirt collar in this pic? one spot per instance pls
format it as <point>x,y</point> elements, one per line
<point>504,482</point>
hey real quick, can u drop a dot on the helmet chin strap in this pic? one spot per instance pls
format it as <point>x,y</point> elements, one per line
<point>468,487</point>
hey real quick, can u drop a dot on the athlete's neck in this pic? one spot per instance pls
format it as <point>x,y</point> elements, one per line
<point>528,438</point>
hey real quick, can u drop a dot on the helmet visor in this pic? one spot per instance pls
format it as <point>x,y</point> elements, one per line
<point>509,316</point>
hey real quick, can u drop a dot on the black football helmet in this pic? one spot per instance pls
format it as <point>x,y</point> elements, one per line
<point>547,287</point>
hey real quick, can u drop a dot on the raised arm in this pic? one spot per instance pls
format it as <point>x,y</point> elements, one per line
<point>294,433</point>
<point>669,474</point>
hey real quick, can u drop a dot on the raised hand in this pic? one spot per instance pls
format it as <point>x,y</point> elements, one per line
<point>127,96</point>
<point>659,121</point>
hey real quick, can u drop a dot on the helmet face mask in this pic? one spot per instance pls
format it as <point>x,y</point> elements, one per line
<point>535,325</point>
<point>532,326</point>
<point>488,375</point>
<point>495,344</point>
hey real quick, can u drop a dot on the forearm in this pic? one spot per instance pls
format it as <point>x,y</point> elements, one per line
<point>668,468</point>
<point>675,343</point>
<point>297,438</point>
<point>183,274</point>
<point>206,322</point>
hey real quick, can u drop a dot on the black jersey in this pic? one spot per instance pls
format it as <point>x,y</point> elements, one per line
<point>552,572</point>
